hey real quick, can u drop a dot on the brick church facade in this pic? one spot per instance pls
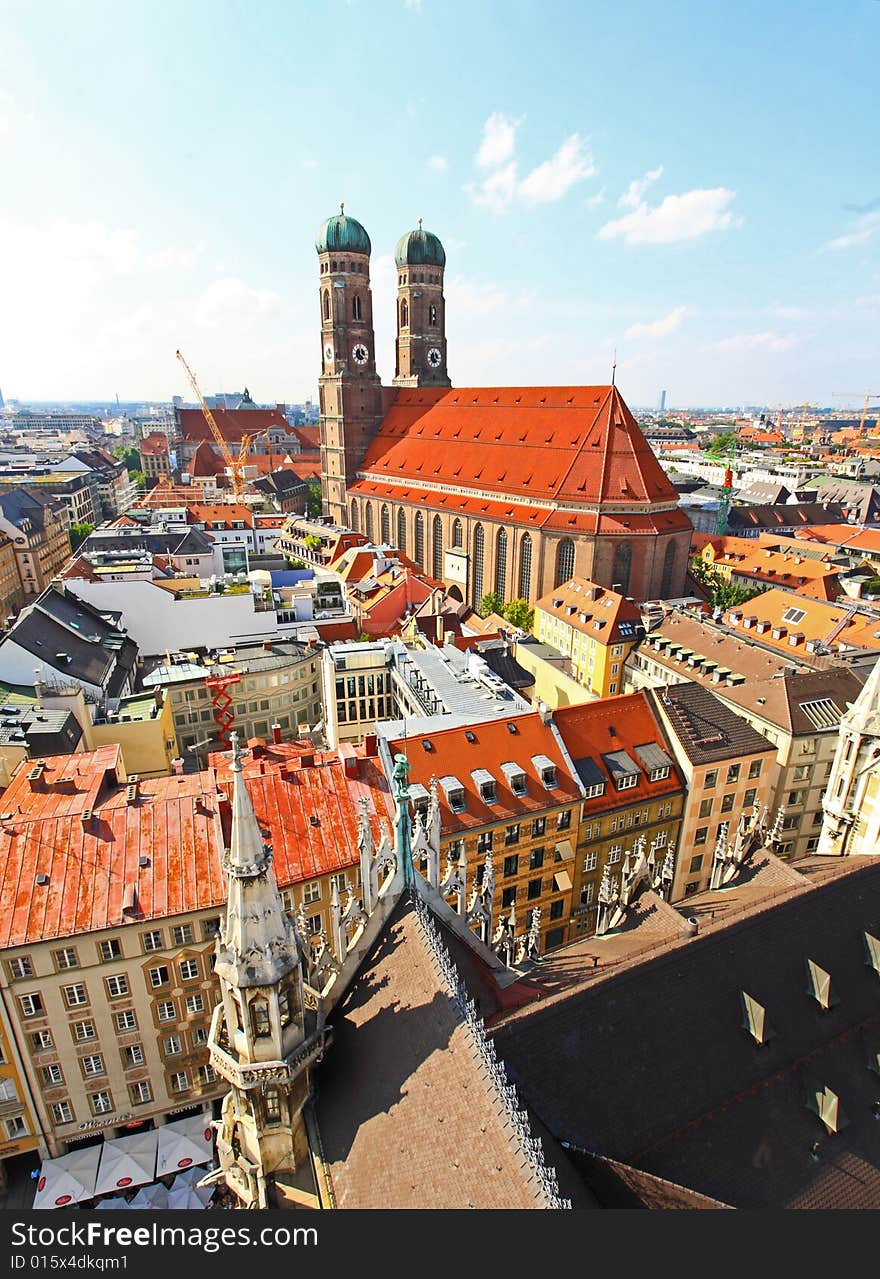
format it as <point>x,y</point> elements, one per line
<point>513,489</point>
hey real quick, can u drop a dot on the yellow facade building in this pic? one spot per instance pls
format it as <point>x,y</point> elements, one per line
<point>593,628</point>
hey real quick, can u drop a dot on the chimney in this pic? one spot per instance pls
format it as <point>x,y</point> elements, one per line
<point>307,760</point>
<point>257,747</point>
<point>177,767</point>
<point>267,646</point>
<point>276,734</point>
<point>371,745</point>
<point>545,713</point>
<point>130,901</point>
<point>35,776</point>
<point>86,818</point>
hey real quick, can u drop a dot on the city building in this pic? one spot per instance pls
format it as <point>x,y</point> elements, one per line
<point>274,685</point>
<point>154,455</point>
<point>107,980</point>
<point>851,803</point>
<point>797,708</point>
<point>509,803</point>
<point>11,589</point>
<point>594,628</point>
<point>38,526</point>
<point>61,640</point>
<point>632,792</point>
<point>728,768</point>
<point>569,485</point>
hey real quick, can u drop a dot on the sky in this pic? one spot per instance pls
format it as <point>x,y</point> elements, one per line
<point>692,186</point>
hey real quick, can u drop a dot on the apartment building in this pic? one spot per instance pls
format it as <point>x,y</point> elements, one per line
<point>106,962</point>
<point>154,455</point>
<point>632,790</point>
<point>38,527</point>
<point>72,491</point>
<point>11,590</point>
<point>594,628</point>
<point>796,708</point>
<point>728,768</point>
<point>277,682</point>
<point>506,788</point>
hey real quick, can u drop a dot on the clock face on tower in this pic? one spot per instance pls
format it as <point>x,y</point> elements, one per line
<point>359,353</point>
<point>435,359</point>
<point>328,353</point>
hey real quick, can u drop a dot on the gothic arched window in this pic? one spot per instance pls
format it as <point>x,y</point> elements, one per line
<point>326,304</point>
<point>260,1023</point>
<point>437,548</point>
<point>668,569</point>
<point>525,567</point>
<point>401,530</point>
<point>385,525</point>
<point>368,520</point>
<point>354,516</point>
<point>564,561</point>
<point>621,568</point>
<point>478,563</point>
<point>457,539</point>
<point>501,563</point>
<point>420,539</point>
<point>404,314</point>
<point>356,307</point>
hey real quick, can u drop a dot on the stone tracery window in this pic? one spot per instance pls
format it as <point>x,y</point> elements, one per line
<point>501,564</point>
<point>420,539</point>
<point>478,563</point>
<point>437,548</point>
<point>525,566</point>
<point>564,561</point>
<point>401,530</point>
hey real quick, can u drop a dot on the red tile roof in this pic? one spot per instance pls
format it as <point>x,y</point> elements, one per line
<point>154,445</point>
<point>602,609</point>
<point>179,823</point>
<point>233,424</point>
<point>577,445</point>
<point>493,745</point>
<point>594,729</point>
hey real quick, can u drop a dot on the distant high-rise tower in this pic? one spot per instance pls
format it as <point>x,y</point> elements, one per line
<point>662,404</point>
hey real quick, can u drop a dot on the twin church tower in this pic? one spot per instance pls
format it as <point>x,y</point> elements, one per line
<point>352,399</point>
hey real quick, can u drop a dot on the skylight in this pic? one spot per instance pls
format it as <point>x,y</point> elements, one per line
<point>755,1019</point>
<point>819,986</point>
<point>821,713</point>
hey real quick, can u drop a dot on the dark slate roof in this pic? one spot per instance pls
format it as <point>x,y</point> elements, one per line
<point>407,1118</point>
<point>177,542</point>
<point>707,729</point>
<point>97,651</point>
<point>506,667</point>
<point>786,515</point>
<point>44,731</point>
<point>652,1067</point>
<point>281,482</point>
<point>22,503</point>
<point>617,1185</point>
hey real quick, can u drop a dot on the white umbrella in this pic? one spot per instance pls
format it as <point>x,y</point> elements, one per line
<point>69,1179</point>
<point>127,1161</point>
<point>185,1194</point>
<point>150,1197</point>
<point>184,1143</point>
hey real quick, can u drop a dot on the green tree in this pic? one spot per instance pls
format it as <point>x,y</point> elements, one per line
<point>490,603</point>
<point>313,497</point>
<point>519,614</point>
<point>722,443</point>
<point>722,594</point>
<point>78,534</point>
<point>130,456</point>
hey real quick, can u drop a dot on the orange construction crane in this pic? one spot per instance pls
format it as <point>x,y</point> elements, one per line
<point>234,466</point>
<point>851,395</point>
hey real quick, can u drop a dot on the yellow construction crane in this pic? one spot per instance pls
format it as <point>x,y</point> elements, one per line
<point>233,465</point>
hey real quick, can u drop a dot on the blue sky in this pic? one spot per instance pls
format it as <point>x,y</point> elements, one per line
<point>695,185</point>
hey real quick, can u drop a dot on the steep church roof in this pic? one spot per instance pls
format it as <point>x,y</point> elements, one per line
<point>533,448</point>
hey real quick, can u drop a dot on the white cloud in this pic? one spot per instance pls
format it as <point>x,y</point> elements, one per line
<point>438,164</point>
<point>632,196</point>
<point>499,140</point>
<point>677,217</point>
<point>594,201</point>
<point>551,180</point>
<point>498,190</point>
<point>414,5</point>
<point>231,299</point>
<point>658,328</point>
<point>863,230</point>
<point>474,297</point>
<point>767,341</point>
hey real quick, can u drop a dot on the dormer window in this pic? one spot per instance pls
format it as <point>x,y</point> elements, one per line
<point>626,781</point>
<point>485,783</point>
<point>420,797</point>
<point>516,778</point>
<point>454,792</point>
<point>659,774</point>
<point>546,770</point>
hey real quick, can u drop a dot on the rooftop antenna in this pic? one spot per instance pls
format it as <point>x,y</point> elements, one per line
<point>614,367</point>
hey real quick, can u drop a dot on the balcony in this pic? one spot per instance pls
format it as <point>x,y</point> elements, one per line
<point>256,1074</point>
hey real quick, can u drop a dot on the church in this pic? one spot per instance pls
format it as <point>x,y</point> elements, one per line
<point>505,489</point>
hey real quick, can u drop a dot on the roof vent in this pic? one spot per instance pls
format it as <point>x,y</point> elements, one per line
<point>314,820</point>
<point>42,880</point>
<point>143,861</point>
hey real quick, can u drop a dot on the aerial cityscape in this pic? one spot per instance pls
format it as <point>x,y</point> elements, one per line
<point>439,612</point>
